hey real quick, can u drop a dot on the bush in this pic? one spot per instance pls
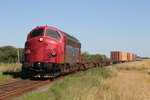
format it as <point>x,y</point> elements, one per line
<point>8,54</point>
<point>93,57</point>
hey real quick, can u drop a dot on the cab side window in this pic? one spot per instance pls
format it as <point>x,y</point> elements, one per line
<point>53,34</point>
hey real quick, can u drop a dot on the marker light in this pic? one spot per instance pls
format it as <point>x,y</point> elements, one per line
<point>41,39</point>
<point>27,51</point>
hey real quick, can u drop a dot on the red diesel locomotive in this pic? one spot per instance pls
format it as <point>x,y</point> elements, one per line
<point>50,49</point>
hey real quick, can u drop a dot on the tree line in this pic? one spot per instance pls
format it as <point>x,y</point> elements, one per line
<point>10,54</point>
<point>93,57</point>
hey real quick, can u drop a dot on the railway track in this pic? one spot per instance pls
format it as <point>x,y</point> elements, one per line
<point>13,88</point>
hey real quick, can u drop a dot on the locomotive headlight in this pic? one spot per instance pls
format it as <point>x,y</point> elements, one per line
<point>41,39</point>
<point>53,53</point>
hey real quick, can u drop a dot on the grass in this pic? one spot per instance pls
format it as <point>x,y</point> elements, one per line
<point>127,81</point>
<point>132,81</point>
<point>139,66</point>
<point>8,68</point>
<point>84,86</point>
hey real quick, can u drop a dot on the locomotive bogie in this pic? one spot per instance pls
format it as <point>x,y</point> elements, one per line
<point>41,66</point>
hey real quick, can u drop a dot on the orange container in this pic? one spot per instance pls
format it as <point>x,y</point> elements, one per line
<point>120,56</point>
<point>124,56</point>
<point>133,56</point>
<point>129,56</point>
<point>116,56</point>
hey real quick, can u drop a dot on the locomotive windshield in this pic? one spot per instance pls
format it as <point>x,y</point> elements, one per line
<point>36,33</point>
<point>53,34</point>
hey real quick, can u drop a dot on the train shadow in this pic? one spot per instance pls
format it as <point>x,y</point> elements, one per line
<point>20,74</point>
<point>24,75</point>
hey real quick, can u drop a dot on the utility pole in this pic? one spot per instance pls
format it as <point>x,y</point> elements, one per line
<point>18,55</point>
<point>103,57</point>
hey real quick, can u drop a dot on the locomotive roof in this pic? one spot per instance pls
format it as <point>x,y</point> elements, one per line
<point>70,37</point>
<point>64,33</point>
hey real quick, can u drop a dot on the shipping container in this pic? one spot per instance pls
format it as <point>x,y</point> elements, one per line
<point>116,56</point>
<point>124,56</point>
<point>131,56</point>
<point>121,56</point>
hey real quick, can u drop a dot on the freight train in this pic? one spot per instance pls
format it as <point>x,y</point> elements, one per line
<point>49,49</point>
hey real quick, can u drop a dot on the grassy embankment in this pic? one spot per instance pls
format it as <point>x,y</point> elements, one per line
<point>127,81</point>
<point>84,86</point>
<point>8,71</point>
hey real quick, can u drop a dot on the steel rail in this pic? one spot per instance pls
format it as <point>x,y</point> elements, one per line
<point>13,83</point>
<point>3,96</point>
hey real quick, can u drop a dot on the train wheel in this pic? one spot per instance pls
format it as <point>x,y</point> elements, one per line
<point>25,67</point>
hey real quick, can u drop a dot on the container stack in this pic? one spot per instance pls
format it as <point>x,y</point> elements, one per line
<point>121,56</point>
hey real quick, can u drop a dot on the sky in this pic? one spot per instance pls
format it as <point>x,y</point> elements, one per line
<point>100,25</point>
